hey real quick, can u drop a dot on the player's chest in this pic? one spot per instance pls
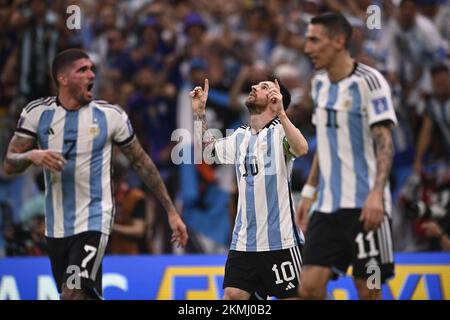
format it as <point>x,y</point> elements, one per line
<point>258,155</point>
<point>338,101</point>
<point>68,130</point>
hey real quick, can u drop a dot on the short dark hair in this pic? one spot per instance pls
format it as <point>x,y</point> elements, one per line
<point>65,58</point>
<point>335,24</point>
<point>283,90</point>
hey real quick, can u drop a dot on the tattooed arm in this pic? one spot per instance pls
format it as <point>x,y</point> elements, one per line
<point>22,153</point>
<point>373,211</point>
<point>384,151</point>
<point>199,97</point>
<point>147,171</point>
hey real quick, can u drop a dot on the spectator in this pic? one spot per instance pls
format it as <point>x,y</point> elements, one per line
<point>38,43</point>
<point>415,44</point>
<point>437,114</point>
<point>128,236</point>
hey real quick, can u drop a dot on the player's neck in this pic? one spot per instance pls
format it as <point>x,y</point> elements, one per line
<point>341,67</point>
<point>67,101</point>
<point>259,121</point>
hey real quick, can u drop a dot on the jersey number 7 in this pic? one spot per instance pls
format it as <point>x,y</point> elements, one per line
<point>70,145</point>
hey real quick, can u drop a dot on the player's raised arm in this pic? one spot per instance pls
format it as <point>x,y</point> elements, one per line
<point>297,142</point>
<point>199,96</point>
<point>22,153</point>
<point>148,172</point>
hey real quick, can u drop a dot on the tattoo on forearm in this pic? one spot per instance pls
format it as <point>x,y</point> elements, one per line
<point>202,141</point>
<point>384,154</point>
<point>148,172</point>
<point>201,120</point>
<point>15,160</point>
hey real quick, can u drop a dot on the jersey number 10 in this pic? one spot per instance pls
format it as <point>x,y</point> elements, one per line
<point>252,164</point>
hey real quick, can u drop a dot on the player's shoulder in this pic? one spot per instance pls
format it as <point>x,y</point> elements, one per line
<point>274,124</point>
<point>108,107</point>
<point>244,127</point>
<point>38,104</point>
<point>321,74</point>
<point>372,78</point>
<point>240,130</point>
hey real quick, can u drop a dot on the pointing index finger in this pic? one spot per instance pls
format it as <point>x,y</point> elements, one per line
<point>206,89</point>
<point>277,84</point>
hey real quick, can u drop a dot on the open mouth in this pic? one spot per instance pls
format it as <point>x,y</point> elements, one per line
<point>90,86</point>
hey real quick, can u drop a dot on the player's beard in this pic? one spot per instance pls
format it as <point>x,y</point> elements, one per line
<point>78,93</point>
<point>255,108</point>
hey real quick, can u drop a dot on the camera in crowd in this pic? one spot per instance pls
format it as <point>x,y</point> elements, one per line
<point>426,197</point>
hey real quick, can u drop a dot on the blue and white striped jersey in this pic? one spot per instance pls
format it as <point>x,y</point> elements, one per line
<point>343,114</point>
<point>79,198</point>
<point>265,213</point>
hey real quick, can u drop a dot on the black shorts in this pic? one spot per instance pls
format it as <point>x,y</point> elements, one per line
<point>77,260</point>
<point>338,240</point>
<point>268,273</point>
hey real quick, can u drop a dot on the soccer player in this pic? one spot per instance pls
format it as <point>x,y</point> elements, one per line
<point>265,249</point>
<point>71,136</point>
<point>353,115</point>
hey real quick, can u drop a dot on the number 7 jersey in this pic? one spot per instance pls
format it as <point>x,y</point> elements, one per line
<point>343,114</point>
<point>80,197</point>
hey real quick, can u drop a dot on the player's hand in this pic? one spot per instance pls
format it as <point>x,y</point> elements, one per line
<point>301,215</point>
<point>373,211</point>
<point>199,97</point>
<point>47,159</point>
<point>276,99</point>
<point>179,230</point>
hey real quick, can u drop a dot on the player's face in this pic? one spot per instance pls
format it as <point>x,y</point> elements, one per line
<point>258,98</point>
<point>81,80</point>
<point>319,46</point>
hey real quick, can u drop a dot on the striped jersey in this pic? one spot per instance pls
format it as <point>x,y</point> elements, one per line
<point>439,112</point>
<point>263,163</point>
<point>80,197</point>
<point>343,114</point>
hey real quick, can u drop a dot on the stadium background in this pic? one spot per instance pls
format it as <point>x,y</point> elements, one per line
<point>148,55</point>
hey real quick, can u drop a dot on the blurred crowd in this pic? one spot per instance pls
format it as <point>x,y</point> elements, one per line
<point>149,54</point>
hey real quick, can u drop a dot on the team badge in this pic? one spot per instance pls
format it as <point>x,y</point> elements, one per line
<point>348,104</point>
<point>94,129</point>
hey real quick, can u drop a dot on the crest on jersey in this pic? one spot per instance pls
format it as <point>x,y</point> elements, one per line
<point>348,104</point>
<point>94,129</point>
